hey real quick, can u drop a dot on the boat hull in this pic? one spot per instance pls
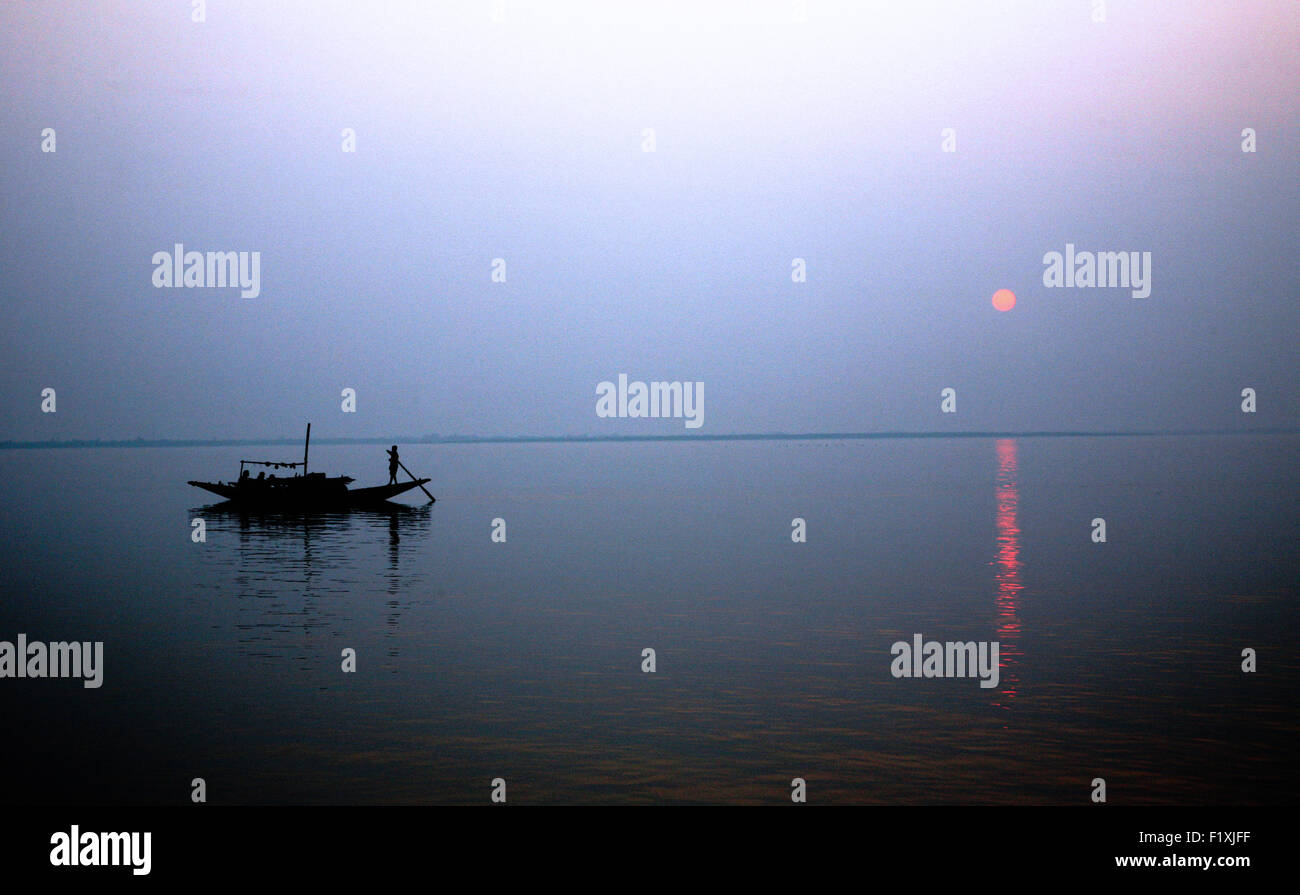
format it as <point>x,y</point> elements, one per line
<point>305,494</point>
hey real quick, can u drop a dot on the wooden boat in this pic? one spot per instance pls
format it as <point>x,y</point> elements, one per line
<point>303,491</point>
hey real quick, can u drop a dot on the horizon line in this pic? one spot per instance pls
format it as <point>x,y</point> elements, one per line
<point>73,443</point>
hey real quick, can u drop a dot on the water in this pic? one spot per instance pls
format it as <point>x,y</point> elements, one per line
<point>522,659</point>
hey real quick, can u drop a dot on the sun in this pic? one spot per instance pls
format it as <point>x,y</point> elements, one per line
<point>1004,299</point>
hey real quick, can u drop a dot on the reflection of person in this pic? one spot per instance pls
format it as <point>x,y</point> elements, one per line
<point>392,465</point>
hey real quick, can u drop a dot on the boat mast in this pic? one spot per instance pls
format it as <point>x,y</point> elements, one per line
<point>306,444</point>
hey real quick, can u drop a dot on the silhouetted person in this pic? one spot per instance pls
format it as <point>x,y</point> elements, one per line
<point>392,465</point>
<point>261,476</point>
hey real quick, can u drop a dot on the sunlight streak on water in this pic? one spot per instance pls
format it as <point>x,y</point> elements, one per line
<point>1008,566</point>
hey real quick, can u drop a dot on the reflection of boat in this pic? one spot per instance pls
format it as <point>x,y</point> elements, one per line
<point>314,491</point>
<point>273,520</point>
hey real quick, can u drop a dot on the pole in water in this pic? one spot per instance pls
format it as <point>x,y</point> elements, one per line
<point>432,499</point>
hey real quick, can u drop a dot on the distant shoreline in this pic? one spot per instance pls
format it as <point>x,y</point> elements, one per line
<point>565,439</point>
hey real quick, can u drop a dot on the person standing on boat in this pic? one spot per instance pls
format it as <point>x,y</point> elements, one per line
<point>392,465</point>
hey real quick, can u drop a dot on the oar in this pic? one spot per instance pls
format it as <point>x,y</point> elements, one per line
<point>432,499</point>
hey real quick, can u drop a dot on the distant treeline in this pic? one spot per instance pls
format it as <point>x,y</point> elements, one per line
<point>536,439</point>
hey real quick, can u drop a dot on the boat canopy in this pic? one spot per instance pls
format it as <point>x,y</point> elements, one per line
<point>278,464</point>
<point>281,464</point>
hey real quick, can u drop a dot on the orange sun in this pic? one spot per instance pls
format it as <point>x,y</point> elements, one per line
<point>1004,299</point>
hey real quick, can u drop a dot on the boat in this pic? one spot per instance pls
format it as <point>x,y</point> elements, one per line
<point>304,490</point>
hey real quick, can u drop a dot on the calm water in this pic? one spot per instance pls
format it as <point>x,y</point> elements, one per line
<point>522,660</point>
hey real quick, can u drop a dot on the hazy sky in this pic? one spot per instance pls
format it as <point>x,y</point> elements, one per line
<point>524,140</point>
